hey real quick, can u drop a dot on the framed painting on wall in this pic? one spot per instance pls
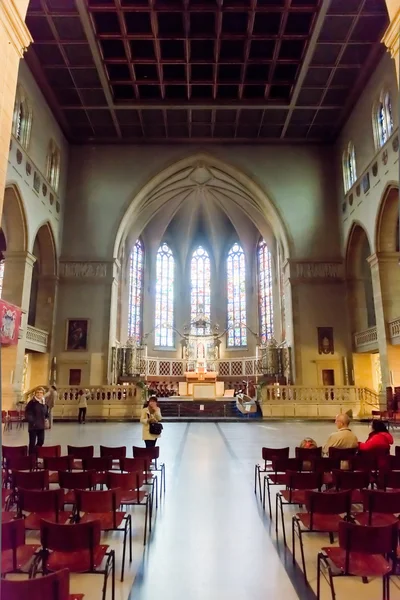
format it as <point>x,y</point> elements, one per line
<point>76,337</point>
<point>325,340</point>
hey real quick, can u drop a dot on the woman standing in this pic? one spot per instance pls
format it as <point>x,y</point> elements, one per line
<point>150,414</point>
<point>82,405</point>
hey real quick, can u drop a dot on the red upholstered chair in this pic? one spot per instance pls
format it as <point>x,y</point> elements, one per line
<point>153,454</point>
<point>267,455</point>
<point>79,452</point>
<point>20,463</point>
<point>115,453</point>
<point>132,465</point>
<point>278,476</point>
<point>99,464</point>
<point>48,451</point>
<point>45,504</point>
<point>379,508</point>
<point>55,464</point>
<point>103,506</point>
<point>352,480</point>
<point>362,552</point>
<point>29,480</point>
<point>78,549</point>
<point>341,455</point>
<point>75,480</point>
<point>49,587</point>
<point>13,451</point>
<point>325,510</point>
<point>16,555</point>
<point>132,494</point>
<point>389,480</point>
<point>295,493</point>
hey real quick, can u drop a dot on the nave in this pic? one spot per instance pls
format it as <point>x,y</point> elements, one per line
<point>211,538</point>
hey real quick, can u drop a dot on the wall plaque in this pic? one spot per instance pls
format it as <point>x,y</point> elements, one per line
<point>83,270</point>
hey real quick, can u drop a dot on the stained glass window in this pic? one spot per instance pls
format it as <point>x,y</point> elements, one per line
<point>236,278</point>
<point>349,167</point>
<point>384,119</point>
<point>164,313</point>
<point>135,292</point>
<point>1,276</point>
<point>200,290</point>
<point>265,291</point>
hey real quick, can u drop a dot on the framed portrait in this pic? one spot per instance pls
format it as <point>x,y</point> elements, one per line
<point>325,340</point>
<point>77,333</point>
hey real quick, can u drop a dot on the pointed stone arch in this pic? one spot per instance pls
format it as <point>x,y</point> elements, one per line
<point>387,222</point>
<point>14,222</point>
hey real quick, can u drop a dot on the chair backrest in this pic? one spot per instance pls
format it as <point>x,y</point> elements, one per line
<point>269,453</point>
<point>70,538</point>
<point>340,454</point>
<point>98,501</point>
<point>397,450</point>
<point>305,480</point>
<point>59,463</point>
<point>332,503</point>
<point>50,587</point>
<point>367,540</point>
<point>135,464</point>
<point>126,481</point>
<point>13,451</point>
<point>322,465</point>
<point>350,480</point>
<point>281,465</point>
<point>43,501</point>
<point>378,501</point>
<point>81,451</point>
<point>307,453</point>
<point>139,452</point>
<point>21,463</point>
<point>364,462</point>
<point>12,534</point>
<point>48,451</point>
<point>392,463</point>
<point>30,480</point>
<point>104,463</point>
<point>82,480</point>
<point>114,453</point>
<point>389,479</point>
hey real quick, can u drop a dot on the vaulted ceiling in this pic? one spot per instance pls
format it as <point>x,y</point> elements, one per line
<point>203,70</point>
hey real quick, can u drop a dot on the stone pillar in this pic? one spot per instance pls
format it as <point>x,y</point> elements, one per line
<point>391,39</point>
<point>380,324</point>
<point>14,40</point>
<point>16,289</point>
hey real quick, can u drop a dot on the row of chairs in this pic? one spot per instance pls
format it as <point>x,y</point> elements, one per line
<point>8,417</point>
<point>55,586</point>
<point>372,532</point>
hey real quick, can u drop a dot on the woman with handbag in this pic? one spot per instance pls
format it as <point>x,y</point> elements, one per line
<point>150,419</point>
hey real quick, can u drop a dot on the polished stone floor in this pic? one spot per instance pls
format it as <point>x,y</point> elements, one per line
<point>211,539</point>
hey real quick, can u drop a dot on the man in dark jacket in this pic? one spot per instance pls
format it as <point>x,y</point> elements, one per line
<point>36,413</point>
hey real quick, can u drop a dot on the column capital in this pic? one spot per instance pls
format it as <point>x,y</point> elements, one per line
<point>391,39</point>
<point>15,26</point>
<point>382,257</point>
<point>19,257</point>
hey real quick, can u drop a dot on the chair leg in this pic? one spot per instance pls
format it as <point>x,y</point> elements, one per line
<point>276,512</point>
<point>283,521</point>
<point>163,470</point>
<point>255,479</point>
<point>130,538</point>
<point>331,584</point>
<point>263,494</point>
<point>146,516</point>
<point>124,551</point>
<point>319,576</point>
<point>113,576</point>
<point>303,559</point>
<point>293,540</point>
<point>259,480</point>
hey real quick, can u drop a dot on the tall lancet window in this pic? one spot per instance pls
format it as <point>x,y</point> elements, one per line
<point>265,291</point>
<point>200,290</point>
<point>236,279</point>
<point>164,313</point>
<point>135,292</point>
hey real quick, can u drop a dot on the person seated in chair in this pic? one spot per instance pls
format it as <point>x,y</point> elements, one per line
<point>343,437</point>
<point>378,441</point>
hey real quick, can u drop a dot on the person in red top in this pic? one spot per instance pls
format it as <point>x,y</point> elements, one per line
<point>379,440</point>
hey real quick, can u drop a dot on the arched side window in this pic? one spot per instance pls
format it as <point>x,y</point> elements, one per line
<point>22,118</point>
<point>382,118</point>
<point>200,289</point>
<point>53,165</point>
<point>349,167</point>
<point>164,309</point>
<point>236,291</point>
<point>265,292</point>
<point>136,261</point>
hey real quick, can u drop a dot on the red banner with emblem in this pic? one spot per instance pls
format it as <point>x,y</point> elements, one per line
<point>10,323</point>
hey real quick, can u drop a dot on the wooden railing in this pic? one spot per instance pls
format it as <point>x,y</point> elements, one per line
<point>366,340</point>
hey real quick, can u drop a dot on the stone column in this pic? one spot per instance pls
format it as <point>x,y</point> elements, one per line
<point>16,289</point>
<point>14,40</point>
<point>391,39</point>
<point>380,325</point>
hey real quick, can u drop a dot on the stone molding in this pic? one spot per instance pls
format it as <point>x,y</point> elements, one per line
<point>19,257</point>
<point>315,271</point>
<point>391,39</point>
<point>84,270</point>
<point>15,26</point>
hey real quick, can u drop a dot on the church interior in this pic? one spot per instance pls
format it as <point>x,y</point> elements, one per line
<point>200,203</point>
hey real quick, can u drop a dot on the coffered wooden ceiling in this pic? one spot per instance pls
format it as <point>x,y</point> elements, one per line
<point>204,70</point>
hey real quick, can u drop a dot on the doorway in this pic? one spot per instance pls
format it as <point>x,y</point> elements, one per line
<point>328,377</point>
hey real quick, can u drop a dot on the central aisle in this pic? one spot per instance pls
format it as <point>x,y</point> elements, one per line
<point>209,541</point>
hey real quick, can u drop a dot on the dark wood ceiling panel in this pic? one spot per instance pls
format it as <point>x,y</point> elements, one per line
<point>234,70</point>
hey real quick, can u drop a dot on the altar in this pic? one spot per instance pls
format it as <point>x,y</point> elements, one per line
<point>201,386</point>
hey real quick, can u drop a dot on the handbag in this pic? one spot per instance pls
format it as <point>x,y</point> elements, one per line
<point>155,428</point>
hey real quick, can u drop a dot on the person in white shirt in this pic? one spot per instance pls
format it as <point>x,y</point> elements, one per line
<point>82,405</point>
